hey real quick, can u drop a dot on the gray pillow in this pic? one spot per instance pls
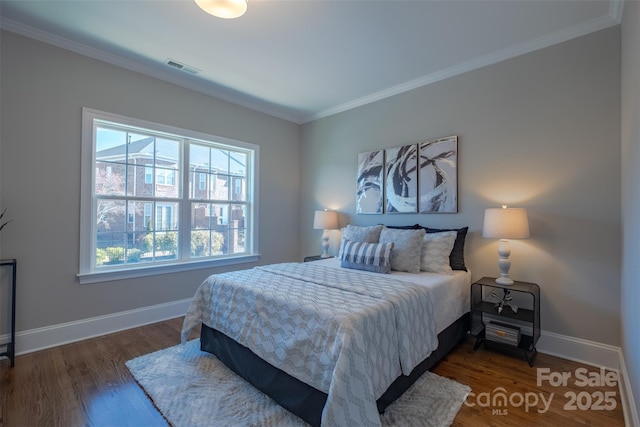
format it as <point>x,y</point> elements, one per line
<point>407,248</point>
<point>356,233</point>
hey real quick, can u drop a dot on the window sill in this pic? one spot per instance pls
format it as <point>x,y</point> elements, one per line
<point>111,275</point>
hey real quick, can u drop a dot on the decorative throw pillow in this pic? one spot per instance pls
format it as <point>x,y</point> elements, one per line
<point>456,258</point>
<point>355,233</point>
<point>367,256</point>
<point>406,249</point>
<point>436,248</point>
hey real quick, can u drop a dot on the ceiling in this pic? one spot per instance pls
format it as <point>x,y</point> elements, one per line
<point>301,60</point>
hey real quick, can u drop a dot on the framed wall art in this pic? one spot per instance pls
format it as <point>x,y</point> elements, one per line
<point>401,179</point>
<point>370,183</point>
<point>438,173</point>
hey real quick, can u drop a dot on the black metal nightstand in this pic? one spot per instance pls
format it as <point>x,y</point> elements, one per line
<point>480,306</point>
<point>10,346</point>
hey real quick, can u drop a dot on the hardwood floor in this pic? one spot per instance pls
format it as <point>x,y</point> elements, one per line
<point>87,384</point>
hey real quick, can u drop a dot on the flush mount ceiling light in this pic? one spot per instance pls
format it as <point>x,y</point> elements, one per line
<point>227,9</point>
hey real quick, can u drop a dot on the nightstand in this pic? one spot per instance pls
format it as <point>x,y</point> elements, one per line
<point>489,329</point>
<point>315,258</point>
<point>10,346</point>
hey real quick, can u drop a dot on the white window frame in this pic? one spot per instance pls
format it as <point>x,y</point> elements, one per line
<point>90,274</point>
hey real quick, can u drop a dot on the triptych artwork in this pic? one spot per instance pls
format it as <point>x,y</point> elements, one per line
<point>416,178</point>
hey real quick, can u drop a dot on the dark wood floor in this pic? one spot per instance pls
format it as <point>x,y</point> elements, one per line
<point>87,384</point>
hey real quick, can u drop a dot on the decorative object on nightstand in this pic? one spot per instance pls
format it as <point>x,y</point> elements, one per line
<point>503,300</point>
<point>505,223</point>
<point>325,220</point>
<point>486,327</point>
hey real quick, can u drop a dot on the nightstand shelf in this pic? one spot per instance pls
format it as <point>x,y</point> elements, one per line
<point>482,311</point>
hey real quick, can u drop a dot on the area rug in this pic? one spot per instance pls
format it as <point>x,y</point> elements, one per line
<point>192,388</point>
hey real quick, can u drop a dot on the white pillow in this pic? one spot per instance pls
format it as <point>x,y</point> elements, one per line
<point>407,247</point>
<point>436,248</point>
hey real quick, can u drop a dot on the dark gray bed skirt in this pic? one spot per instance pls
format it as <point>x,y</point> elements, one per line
<point>300,398</point>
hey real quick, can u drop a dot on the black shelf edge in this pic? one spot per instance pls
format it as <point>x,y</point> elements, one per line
<point>526,341</point>
<point>523,314</point>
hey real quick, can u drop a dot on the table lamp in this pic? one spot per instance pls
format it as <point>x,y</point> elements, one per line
<point>504,224</point>
<point>325,220</point>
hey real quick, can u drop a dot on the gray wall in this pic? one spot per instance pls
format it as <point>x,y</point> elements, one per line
<point>631,193</point>
<point>43,91</point>
<point>539,131</point>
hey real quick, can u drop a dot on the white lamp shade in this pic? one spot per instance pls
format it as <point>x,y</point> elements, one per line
<point>227,9</point>
<point>325,220</point>
<point>506,223</point>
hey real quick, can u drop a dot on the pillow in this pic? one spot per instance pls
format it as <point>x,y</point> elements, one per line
<point>436,248</point>
<point>356,233</point>
<point>367,256</point>
<point>406,249</point>
<point>456,258</point>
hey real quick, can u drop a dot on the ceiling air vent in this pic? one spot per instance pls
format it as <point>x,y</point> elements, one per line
<point>183,67</point>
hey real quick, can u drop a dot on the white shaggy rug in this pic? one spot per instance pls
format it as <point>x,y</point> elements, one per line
<point>193,388</point>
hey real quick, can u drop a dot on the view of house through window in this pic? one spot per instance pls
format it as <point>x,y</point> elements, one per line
<point>166,198</point>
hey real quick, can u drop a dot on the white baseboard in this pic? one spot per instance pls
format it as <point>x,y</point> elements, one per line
<point>579,350</point>
<point>65,333</point>
<point>576,349</point>
<point>594,354</point>
<point>631,418</point>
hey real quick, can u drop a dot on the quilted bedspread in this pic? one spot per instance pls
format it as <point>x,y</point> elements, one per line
<point>347,334</point>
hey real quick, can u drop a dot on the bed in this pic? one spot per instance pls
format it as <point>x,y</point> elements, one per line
<point>333,345</point>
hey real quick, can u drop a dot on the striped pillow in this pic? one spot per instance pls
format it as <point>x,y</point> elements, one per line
<point>374,257</point>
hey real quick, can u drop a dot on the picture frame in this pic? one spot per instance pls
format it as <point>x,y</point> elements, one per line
<point>370,182</point>
<point>438,175</point>
<point>401,179</point>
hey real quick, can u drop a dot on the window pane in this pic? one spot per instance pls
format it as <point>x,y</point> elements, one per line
<point>207,237</point>
<point>198,171</point>
<point>238,189</point>
<point>139,181</point>
<point>237,229</point>
<point>110,179</point>
<point>167,152</point>
<point>201,216</point>
<point>166,183</point>
<point>166,216</point>
<point>220,160</point>
<point>110,215</point>
<point>110,249</point>
<point>238,163</point>
<point>219,187</point>
<point>106,141</point>
<point>139,215</point>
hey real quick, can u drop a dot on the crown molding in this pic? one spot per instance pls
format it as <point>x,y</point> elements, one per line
<point>152,70</point>
<point>613,18</point>
<point>247,101</point>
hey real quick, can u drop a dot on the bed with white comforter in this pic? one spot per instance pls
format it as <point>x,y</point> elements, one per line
<point>347,333</point>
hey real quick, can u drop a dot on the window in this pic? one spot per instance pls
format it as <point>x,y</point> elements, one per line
<point>146,204</point>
